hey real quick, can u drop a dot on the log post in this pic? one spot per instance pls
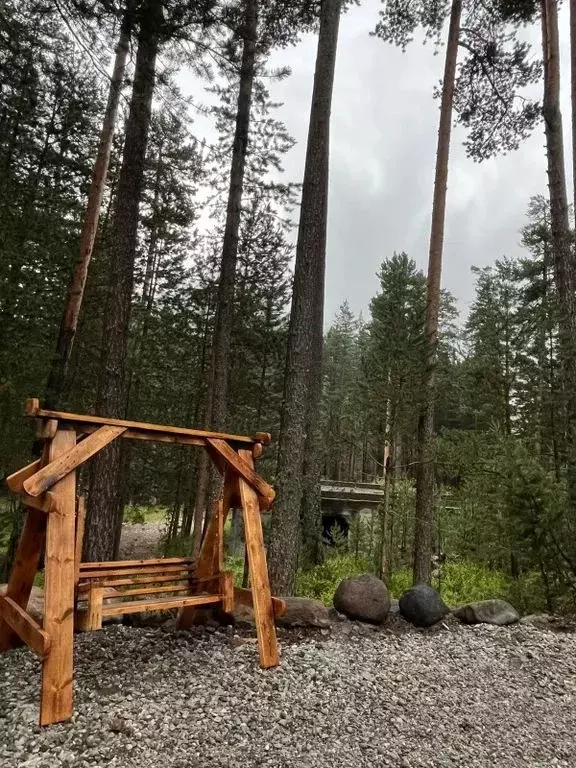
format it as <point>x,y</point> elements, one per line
<point>261,595</point>
<point>56,702</point>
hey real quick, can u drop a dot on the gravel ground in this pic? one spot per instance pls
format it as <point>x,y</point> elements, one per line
<point>353,697</point>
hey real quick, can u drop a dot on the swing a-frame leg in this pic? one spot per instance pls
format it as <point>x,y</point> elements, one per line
<point>54,641</point>
<point>210,562</point>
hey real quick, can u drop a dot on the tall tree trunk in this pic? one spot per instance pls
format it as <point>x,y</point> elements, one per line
<point>562,245</point>
<point>573,91</point>
<point>218,381</point>
<point>308,290</point>
<point>426,443</point>
<point>104,503</point>
<point>56,384</point>
<point>311,505</point>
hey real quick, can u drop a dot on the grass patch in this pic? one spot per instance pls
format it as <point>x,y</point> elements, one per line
<point>136,514</point>
<point>461,582</point>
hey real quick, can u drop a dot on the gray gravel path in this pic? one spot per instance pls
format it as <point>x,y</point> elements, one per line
<point>459,696</point>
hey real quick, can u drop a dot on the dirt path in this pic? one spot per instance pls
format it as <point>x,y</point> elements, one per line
<point>139,542</point>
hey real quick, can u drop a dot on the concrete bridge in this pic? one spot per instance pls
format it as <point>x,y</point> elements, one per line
<point>344,500</point>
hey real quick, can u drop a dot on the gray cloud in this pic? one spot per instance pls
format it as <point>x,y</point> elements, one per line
<point>383,143</point>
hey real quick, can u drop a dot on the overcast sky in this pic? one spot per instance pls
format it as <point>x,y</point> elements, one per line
<point>383,143</point>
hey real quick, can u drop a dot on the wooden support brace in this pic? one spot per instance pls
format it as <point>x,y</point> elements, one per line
<point>238,461</point>
<point>45,503</point>
<point>24,626</point>
<point>23,571</point>
<point>16,481</point>
<point>67,462</point>
<point>261,597</point>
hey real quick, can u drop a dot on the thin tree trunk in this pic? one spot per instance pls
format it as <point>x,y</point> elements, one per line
<point>573,91</point>
<point>424,517</point>
<point>562,244</point>
<point>218,381</point>
<point>56,384</point>
<point>384,555</point>
<point>104,504</point>
<point>308,289</point>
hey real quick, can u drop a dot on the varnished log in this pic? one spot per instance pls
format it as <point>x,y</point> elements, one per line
<point>24,626</point>
<point>65,463</point>
<point>261,596</point>
<point>79,420</point>
<point>57,667</point>
<point>237,461</point>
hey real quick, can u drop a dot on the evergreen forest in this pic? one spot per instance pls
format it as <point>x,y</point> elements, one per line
<point>155,272</point>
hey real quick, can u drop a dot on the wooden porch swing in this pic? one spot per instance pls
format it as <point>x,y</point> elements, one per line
<point>82,594</point>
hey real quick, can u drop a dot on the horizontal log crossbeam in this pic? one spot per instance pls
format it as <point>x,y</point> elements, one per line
<point>79,422</point>
<point>32,481</point>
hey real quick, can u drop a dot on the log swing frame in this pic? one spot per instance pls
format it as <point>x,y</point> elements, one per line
<point>77,594</point>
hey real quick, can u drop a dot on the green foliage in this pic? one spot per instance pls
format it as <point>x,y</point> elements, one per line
<point>460,582</point>
<point>400,581</point>
<point>137,514</point>
<point>465,582</point>
<point>235,563</point>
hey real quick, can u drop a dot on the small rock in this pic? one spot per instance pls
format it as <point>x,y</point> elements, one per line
<point>304,612</point>
<point>497,612</point>
<point>119,724</point>
<point>238,642</point>
<point>422,606</point>
<point>538,619</point>
<point>363,597</point>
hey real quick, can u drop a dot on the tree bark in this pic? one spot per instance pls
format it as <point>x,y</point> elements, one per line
<point>57,376</point>
<point>562,243</point>
<point>311,505</point>
<point>104,503</point>
<point>306,313</point>
<point>218,381</point>
<point>573,91</point>
<point>424,518</point>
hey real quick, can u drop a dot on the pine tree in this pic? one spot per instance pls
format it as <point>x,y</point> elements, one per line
<point>303,380</point>
<point>104,512</point>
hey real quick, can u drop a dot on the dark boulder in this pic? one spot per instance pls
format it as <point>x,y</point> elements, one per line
<point>422,606</point>
<point>363,597</point>
<point>497,612</point>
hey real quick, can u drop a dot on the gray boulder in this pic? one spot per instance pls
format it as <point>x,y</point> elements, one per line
<point>304,612</point>
<point>363,597</point>
<point>422,606</point>
<point>497,612</point>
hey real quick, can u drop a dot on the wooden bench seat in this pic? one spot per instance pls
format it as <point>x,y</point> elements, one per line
<point>109,588</point>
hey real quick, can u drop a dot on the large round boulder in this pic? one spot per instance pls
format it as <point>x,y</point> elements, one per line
<point>497,612</point>
<point>363,597</point>
<point>422,606</point>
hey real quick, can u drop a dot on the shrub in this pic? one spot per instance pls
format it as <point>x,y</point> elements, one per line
<point>235,563</point>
